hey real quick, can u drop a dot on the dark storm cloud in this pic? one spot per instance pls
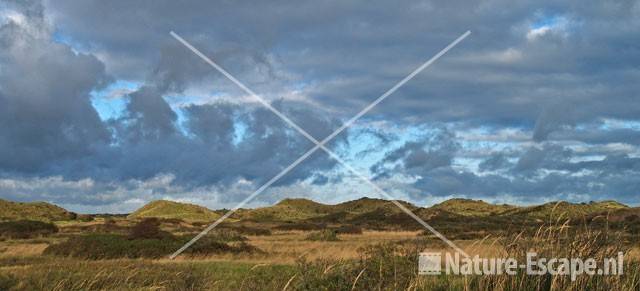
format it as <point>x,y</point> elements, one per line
<point>596,136</point>
<point>149,115</point>
<point>45,111</point>
<point>551,119</point>
<point>433,152</point>
<point>549,171</point>
<point>349,53</point>
<point>50,128</point>
<point>554,157</point>
<point>552,70</point>
<point>207,153</point>
<point>494,162</point>
<point>537,158</point>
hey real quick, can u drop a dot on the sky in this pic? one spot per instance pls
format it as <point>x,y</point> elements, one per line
<point>102,110</point>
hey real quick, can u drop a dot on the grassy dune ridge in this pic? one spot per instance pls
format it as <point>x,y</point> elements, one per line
<point>40,211</point>
<point>171,209</point>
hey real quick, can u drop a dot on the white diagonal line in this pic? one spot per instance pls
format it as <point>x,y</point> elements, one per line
<point>320,144</point>
<point>246,200</point>
<point>399,84</point>
<point>243,87</point>
<point>394,201</point>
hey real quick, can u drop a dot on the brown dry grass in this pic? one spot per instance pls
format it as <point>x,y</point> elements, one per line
<point>287,247</point>
<point>22,250</point>
<point>279,265</point>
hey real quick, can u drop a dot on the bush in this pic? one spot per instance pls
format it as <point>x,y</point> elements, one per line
<point>300,226</point>
<point>225,235</point>
<point>323,235</point>
<point>209,245</point>
<point>7,281</point>
<point>246,230</point>
<point>172,221</point>
<point>97,228</point>
<point>85,218</point>
<point>23,229</point>
<point>348,229</point>
<point>632,218</point>
<point>380,267</point>
<point>148,228</point>
<point>111,246</point>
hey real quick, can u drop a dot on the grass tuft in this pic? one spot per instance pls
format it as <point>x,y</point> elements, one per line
<point>323,235</point>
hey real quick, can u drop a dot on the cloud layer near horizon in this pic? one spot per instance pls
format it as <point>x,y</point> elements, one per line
<point>101,110</point>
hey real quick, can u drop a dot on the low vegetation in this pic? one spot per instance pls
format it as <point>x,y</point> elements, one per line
<point>148,228</point>
<point>105,227</point>
<point>23,229</point>
<point>348,229</point>
<point>111,246</point>
<point>147,240</point>
<point>248,230</point>
<point>78,275</point>
<point>300,226</point>
<point>323,235</point>
<point>394,266</point>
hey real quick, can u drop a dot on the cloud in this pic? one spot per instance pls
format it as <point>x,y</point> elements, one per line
<point>522,108</point>
<point>45,110</point>
<point>558,25</point>
<point>418,157</point>
<point>50,131</point>
<point>497,161</point>
<point>541,173</point>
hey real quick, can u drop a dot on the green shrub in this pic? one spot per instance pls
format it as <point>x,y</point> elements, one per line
<point>23,229</point>
<point>323,235</point>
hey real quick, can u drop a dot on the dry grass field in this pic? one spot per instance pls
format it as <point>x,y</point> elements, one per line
<point>359,245</point>
<point>288,260</point>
